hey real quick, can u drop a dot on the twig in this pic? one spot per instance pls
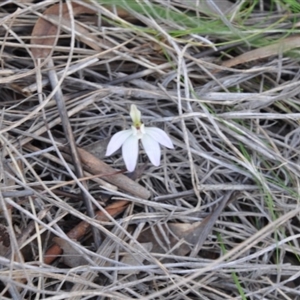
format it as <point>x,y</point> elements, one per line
<point>83,227</point>
<point>71,144</point>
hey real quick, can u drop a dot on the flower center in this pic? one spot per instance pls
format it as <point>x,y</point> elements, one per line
<point>138,130</point>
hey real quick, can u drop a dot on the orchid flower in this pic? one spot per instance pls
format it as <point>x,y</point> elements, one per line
<point>151,137</point>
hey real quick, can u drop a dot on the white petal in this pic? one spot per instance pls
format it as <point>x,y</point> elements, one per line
<point>130,152</point>
<point>152,149</point>
<point>117,141</point>
<point>160,136</point>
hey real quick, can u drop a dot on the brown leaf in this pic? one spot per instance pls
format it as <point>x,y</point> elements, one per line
<point>280,46</point>
<point>44,33</point>
<point>96,166</point>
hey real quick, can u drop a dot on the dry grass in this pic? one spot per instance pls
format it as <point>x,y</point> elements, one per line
<point>222,221</point>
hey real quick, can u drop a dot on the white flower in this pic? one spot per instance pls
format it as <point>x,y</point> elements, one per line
<point>151,137</point>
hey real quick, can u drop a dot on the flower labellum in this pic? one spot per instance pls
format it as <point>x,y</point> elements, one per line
<point>151,137</point>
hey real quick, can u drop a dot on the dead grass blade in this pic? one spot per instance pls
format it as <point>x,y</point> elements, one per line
<point>222,79</point>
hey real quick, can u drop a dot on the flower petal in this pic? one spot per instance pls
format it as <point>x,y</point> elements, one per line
<point>152,149</point>
<point>117,141</point>
<point>130,150</point>
<point>160,136</point>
